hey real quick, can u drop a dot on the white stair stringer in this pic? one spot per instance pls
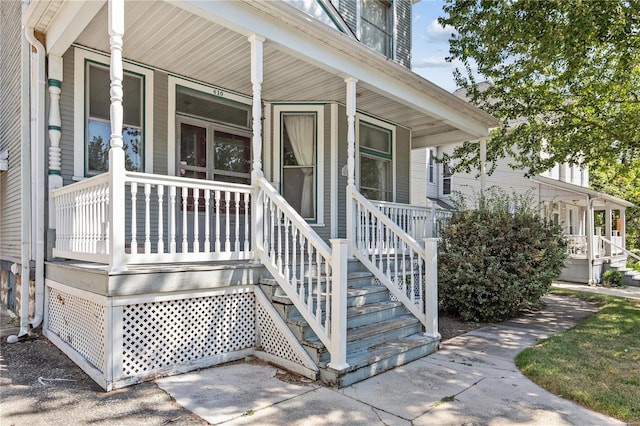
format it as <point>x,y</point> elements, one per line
<point>276,343</point>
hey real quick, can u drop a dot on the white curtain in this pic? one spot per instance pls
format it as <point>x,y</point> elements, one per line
<point>300,130</point>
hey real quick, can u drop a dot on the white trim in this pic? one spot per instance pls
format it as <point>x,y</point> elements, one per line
<point>190,294</point>
<point>334,170</point>
<point>278,109</point>
<point>174,81</point>
<point>385,125</point>
<point>79,143</point>
<point>267,141</point>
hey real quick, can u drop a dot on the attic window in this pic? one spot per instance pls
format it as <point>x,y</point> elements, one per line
<point>376,29</point>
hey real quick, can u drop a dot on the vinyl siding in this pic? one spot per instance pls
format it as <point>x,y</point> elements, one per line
<point>342,161</point>
<point>347,9</point>
<point>10,129</point>
<point>402,159</point>
<point>160,119</point>
<point>419,177</point>
<point>66,115</point>
<point>403,32</point>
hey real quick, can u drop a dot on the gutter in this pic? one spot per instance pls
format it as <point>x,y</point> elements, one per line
<point>25,183</point>
<point>38,139</point>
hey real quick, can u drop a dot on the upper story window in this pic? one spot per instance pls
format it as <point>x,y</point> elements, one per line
<point>446,179</point>
<point>432,167</point>
<point>376,25</point>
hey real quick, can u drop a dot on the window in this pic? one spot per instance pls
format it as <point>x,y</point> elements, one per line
<point>446,180</point>
<point>376,25</point>
<point>376,165</point>
<point>432,167</point>
<point>91,116</point>
<point>299,161</point>
<point>98,126</point>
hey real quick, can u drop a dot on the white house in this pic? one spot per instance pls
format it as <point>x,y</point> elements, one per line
<point>191,182</point>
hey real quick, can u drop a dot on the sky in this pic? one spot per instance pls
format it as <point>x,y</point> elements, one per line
<point>430,45</point>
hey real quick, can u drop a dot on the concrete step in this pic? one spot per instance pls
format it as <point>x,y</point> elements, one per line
<point>380,358</point>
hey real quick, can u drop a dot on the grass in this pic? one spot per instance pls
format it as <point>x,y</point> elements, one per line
<point>595,364</point>
<point>634,265</point>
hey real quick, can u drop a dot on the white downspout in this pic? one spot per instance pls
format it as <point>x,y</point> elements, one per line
<point>38,141</point>
<point>25,184</point>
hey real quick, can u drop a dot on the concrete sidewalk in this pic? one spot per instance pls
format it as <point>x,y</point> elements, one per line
<point>629,292</point>
<point>471,380</point>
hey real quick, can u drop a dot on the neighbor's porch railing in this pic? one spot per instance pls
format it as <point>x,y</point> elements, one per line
<point>313,275</point>
<point>418,221</point>
<point>397,260</point>
<point>166,219</point>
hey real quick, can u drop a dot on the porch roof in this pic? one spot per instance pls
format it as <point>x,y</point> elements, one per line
<point>304,60</point>
<point>576,189</point>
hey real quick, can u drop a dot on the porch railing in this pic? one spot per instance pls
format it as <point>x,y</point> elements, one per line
<point>396,259</point>
<point>418,221</point>
<point>576,245</point>
<point>167,219</point>
<point>616,247</point>
<point>312,275</point>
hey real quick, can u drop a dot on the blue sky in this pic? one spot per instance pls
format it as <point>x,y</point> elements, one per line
<point>430,45</point>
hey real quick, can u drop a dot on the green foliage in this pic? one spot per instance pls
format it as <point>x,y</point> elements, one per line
<point>612,278</point>
<point>498,258</point>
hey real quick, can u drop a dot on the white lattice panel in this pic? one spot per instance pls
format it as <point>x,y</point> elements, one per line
<point>272,340</point>
<point>80,323</point>
<point>162,334</point>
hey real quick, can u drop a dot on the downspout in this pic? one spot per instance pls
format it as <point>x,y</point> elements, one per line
<point>38,141</point>
<point>25,185</point>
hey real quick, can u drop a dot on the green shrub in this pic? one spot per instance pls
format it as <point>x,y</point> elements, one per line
<point>612,278</point>
<point>497,258</point>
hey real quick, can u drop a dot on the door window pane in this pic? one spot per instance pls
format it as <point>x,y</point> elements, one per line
<point>232,157</point>
<point>375,178</point>
<point>299,162</point>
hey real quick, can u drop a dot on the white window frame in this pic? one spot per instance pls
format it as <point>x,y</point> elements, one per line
<point>172,83</point>
<point>393,23</point>
<point>385,125</point>
<point>81,56</point>
<point>432,169</point>
<point>318,109</point>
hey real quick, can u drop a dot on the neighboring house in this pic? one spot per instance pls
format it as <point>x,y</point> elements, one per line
<point>593,222</point>
<point>189,183</point>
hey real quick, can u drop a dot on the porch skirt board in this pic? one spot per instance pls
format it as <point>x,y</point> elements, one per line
<point>119,341</point>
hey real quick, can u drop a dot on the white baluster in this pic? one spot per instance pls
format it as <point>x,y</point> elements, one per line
<point>147,218</point>
<point>318,275</point>
<point>246,222</point>
<point>272,232</point>
<point>294,276</point>
<point>134,228</point>
<point>172,219</point>
<point>185,241</point>
<point>227,219</point>
<point>236,196</point>
<point>286,248</point>
<point>309,276</point>
<point>207,221</point>
<point>196,223</point>
<point>301,282</point>
<point>217,207</point>
<point>160,191</point>
<point>279,220</point>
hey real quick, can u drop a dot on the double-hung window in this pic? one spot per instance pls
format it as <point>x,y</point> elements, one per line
<point>376,161</point>
<point>376,25</point>
<point>432,166</point>
<point>446,179</point>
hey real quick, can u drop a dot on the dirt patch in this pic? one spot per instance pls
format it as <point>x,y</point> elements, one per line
<point>450,326</point>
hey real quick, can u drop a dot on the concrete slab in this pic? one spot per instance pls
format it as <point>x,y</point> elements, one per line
<point>629,292</point>
<point>319,407</point>
<point>227,392</point>
<point>509,401</point>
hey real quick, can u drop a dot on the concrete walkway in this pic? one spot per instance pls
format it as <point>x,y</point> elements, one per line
<point>629,292</point>
<point>471,380</point>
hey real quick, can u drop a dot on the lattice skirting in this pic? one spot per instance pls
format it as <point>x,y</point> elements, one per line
<point>120,341</point>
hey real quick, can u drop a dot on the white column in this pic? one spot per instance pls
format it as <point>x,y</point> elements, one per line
<point>590,232</point>
<point>351,130</point>
<point>623,227</point>
<point>55,132</point>
<point>431,287</point>
<point>608,228</point>
<point>116,153</point>
<point>483,165</point>
<point>256,84</point>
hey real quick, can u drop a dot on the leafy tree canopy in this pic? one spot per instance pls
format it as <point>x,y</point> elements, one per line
<point>565,79</point>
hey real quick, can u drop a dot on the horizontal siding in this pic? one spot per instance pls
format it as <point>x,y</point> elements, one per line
<point>402,158</point>
<point>66,115</point>
<point>342,180</point>
<point>160,120</point>
<point>418,182</point>
<point>10,129</point>
<point>347,9</point>
<point>403,32</point>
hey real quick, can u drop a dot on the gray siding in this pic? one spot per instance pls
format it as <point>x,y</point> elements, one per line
<point>160,119</point>
<point>402,159</point>
<point>403,32</point>
<point>347,9</point>
<point>10,128</point>
<point>342,180</point>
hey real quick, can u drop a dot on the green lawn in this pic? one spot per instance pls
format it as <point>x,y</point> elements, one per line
<point>596,363</point>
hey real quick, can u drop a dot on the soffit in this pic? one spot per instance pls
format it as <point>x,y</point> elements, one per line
<point>169,38</point>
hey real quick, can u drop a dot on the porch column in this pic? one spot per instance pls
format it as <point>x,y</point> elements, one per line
<point>351,154</point>
<point>608,228</point>
<point>116,153</point>
<point>483,164</point>
<point>590,232</point>
<point>623,227</point>
<point>256,82</point>
<point>55,131</point>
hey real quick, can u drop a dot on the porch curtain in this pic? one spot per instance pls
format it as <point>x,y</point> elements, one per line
<point>300,130</point>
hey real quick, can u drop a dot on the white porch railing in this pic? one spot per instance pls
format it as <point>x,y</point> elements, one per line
<point>418,221</point>
<point>396,259</point>
<point>616,247</point>
<point>167,219</point>
<point>312,275</point>
<point>576,245</point>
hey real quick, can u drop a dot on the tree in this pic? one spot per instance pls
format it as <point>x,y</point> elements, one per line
<point>565,81</point>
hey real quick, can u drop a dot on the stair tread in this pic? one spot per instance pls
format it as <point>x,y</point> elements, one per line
<point>385,350</point>
<point>351,292</point>
<point>353,311</point>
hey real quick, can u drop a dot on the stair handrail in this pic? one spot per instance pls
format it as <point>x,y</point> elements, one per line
<point>330,269</point>
<point>627,252</point>
<point>397,242</point>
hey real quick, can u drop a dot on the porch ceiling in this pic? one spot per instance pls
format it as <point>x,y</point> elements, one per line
<point>170,38</point>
